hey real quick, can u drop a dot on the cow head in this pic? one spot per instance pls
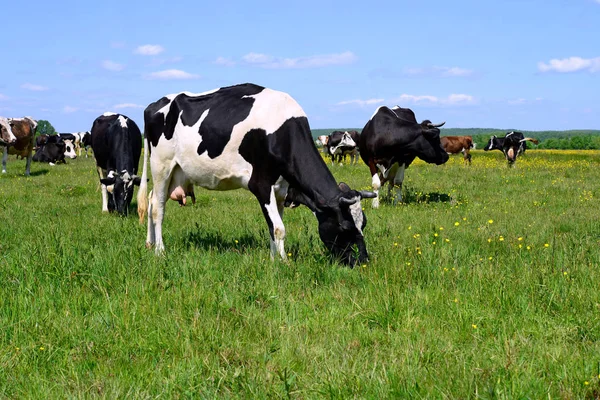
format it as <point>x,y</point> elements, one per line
<point>322,140</point>
<point>6,135</point>
<point>120,188</point>
<point>429,146</point>
<point>70,149</point>
<point>346,141</point>
<point>493,144</point>
<point>341,222</point>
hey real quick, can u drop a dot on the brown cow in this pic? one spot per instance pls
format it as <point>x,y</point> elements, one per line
<point>24,131</point>
<point>458,144</point>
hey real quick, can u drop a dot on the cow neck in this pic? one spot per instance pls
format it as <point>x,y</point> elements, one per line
<point>313,178</point>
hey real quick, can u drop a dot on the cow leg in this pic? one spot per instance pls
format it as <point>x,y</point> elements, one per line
<point>102,175</point>
<point>4,159</point>
<point>28,165</point>
<point>396,176</point>
<point>156,207</point>
<point>271,198</point>
<point>375,183</point>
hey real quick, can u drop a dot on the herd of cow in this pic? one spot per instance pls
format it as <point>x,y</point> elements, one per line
<point>251,137</point>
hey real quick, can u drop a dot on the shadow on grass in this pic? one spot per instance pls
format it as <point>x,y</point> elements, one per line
<point>411,196</point>
<point>40,172</point>
<point>197,238</point>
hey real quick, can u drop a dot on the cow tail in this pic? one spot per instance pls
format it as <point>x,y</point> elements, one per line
<point>142,197</point>
<point>528,139</point>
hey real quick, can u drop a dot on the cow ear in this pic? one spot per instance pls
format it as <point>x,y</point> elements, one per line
<point>108,181</point>
<point>343,187</point>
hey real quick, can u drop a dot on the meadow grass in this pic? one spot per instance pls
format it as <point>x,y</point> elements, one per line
<point>482,284</point>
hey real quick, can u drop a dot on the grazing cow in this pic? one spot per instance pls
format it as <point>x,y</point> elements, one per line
<point>117,145</point>
<point>55,152</point>
<point>341,144</point>
<point>23,130</point>
<point>249,137</point>
<point>391,140</point>
<point>512,145</point>
<point>458,144</point>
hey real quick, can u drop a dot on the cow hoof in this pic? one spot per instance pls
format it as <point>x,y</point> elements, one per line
<point>149,245</point>
<point>375,203</point>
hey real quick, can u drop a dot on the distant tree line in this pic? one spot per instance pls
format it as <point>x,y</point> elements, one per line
<point>582,139</point>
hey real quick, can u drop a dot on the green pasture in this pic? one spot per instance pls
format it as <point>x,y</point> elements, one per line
<point>484,283</point>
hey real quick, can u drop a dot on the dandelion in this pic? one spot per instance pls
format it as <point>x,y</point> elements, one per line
<point>501,238</point>
<point>474,326</point>
<point>435,234</point>
<point>519,239</point>
<point>236,241</point>
<point>520,245</point>
<point>395,244</point>
<point>490,258</point>
<point>528,247</point>
<point>409,227</point>
<point>441,228</point>
<point>565,273</point>
<point>456,223</point>
<point>433,243</point>
<point>42,349</point>
<point>453,269</point>
<point>464,218</point>
<point>408,263</point>
<point>586,383</point>
<point>456,300</point>
<point>364,265</point>
<point>491,221</point>
<point>447,240</point>
<point>489,240</point>
<point>546,245</point>
<point>289,254</point>
<point>445,269</point>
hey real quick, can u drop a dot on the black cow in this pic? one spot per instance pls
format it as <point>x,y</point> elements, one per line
<point>512,145</point>
<point>85,142</point>
<point>117,145</point>
<point>250,137</point>
<point>55,151</point>
<point>391,140</point>
<point>341,144</point>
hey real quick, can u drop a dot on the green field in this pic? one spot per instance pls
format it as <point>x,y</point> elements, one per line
<point>485,283</point>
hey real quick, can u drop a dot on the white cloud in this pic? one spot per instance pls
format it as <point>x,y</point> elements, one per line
<point>451,100</point>
<point>571,64</point>
<point>69,109</point>
<point>149,50</point>
<point>316,61</point>
<point>112,66</point>
<point>445,72</point>
<point>34,88</point>
<point>126,105</point>
<point>361,103</point>
<point>227,62</point>
<point>172,74</point>
<point>521,101</point>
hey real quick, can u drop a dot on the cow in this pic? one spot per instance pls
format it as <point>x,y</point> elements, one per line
<point>458,144</point>
<point>512,145</point>
<point>55,152</point>
<point>251,137</point>
<point>341,144</point>
<point>85,142</point>
<point>7,138</point>
<point>23,129</point>
<point>117,146</point>
<point>389,143</point>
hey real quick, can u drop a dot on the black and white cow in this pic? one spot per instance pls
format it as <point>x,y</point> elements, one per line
<point>512,145</point>
<point>390,142</point>
<point>85,142</point>
<point>341,144</point>
<point>54,152</point>
<point>250,137</point>
<point>117,145</point>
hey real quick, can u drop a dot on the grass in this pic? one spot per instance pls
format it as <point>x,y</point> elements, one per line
<point>483,284</point>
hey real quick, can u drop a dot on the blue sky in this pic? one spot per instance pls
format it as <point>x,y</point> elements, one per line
<point>526,64</point>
